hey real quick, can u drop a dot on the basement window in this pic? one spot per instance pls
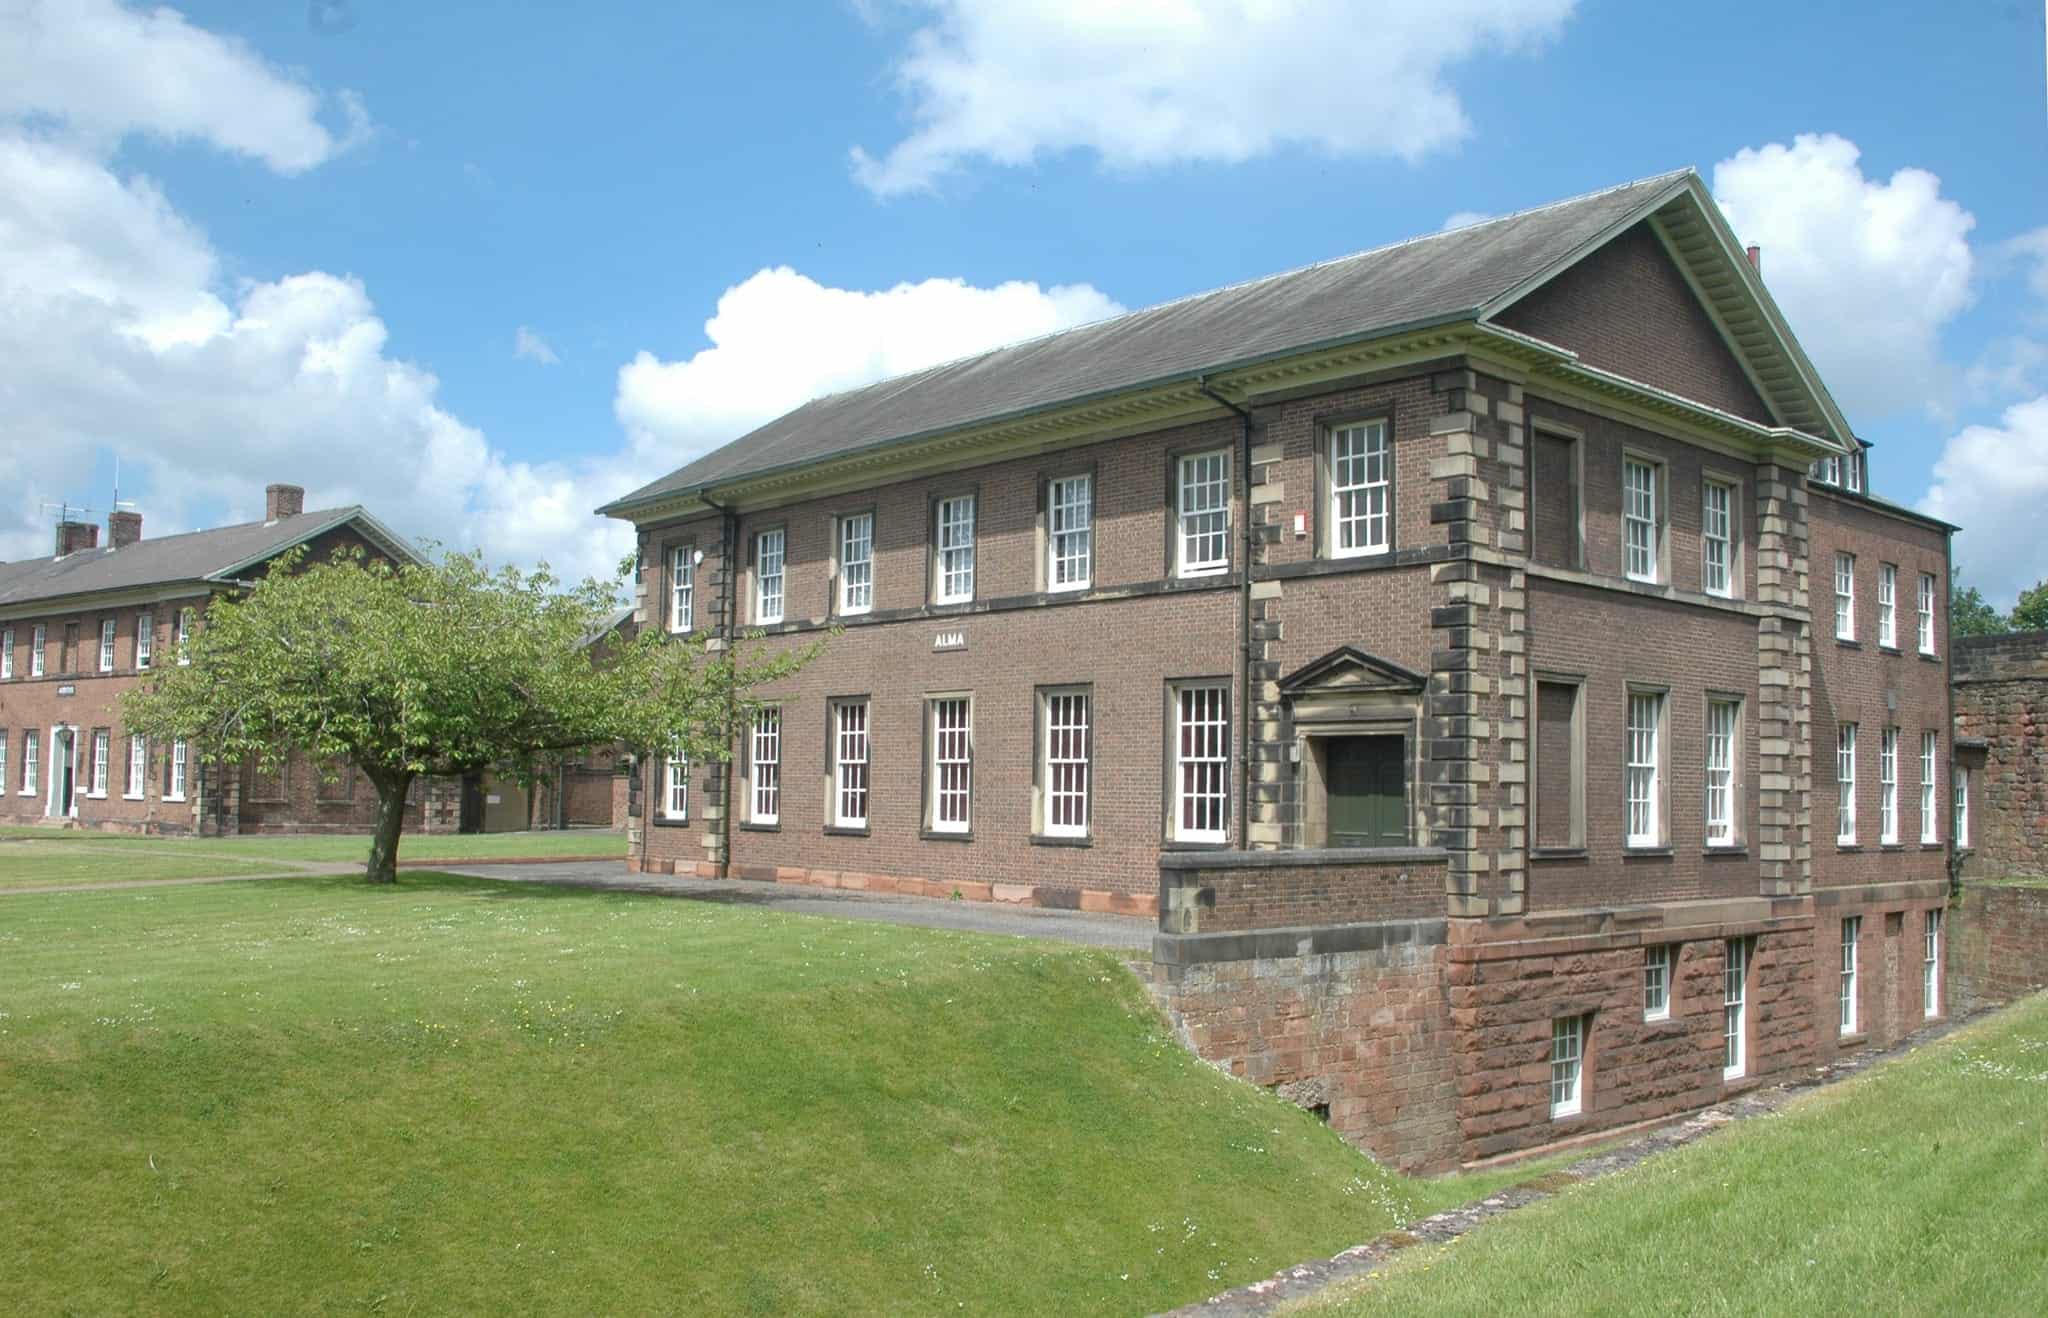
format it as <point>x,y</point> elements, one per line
<point>1567,1060</point>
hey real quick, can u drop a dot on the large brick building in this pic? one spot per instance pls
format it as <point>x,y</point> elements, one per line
<point>1482,652</point>
<point>81,627</point>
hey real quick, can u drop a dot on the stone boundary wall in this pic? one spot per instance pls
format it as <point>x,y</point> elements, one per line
<point>1221,891</point>
<point>1349,1021</point>
<point>1097,900</point>
<point>1997,944</point>
<point>2001,696</point>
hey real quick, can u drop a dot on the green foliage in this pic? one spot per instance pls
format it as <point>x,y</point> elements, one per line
<point>442,668</point>
<point>2031,613</point>
<point>1969,614</point>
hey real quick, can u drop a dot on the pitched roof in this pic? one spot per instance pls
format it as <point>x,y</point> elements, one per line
<point>216,555</point>
<point>1438,278</point>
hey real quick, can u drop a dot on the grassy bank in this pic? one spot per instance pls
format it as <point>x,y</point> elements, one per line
<point>460,1095</point>
<point>35,857</point>
<point>1920,1187</point>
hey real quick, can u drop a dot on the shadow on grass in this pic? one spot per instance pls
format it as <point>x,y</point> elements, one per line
<point>413,882</point>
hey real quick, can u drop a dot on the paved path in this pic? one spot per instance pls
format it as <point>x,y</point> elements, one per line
<point>1121,931</point>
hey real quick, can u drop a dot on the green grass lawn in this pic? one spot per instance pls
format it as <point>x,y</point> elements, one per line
<point>1920,1187</point>
<point>457,1095</point>
<point>34,857</point>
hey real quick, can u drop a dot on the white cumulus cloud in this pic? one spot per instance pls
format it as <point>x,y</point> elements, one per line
<point>100,71</point>
<point>779,339</point>
<point>1157,82</point>
<point>1992,480</point>
<point>1868,271</point>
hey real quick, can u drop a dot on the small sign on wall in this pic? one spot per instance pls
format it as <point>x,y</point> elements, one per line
<point>954,640</point>
<point>67,690</point>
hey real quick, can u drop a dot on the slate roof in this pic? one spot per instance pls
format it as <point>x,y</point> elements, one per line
<point>212,555</point>
<point>1438,278</point>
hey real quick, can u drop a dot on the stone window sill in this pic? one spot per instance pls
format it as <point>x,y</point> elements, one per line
<point>1727,853</point>
<point>1646,853</point>
<point>1042,840</point>
<point>1847,848</point>
<point>749,826</point>
<point>1853,1040</point>
<point>1930,658</point>
<point>1666,1024</point>
<point>1888,649</point>
<point>1847,644</point>
<point>1557,853</point>
<point>939,835</point>
<point>842,830</point>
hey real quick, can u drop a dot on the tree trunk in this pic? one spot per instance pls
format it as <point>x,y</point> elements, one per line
<point>390,819</point>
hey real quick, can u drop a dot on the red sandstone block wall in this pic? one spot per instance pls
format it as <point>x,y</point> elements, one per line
<point>1998,944</point>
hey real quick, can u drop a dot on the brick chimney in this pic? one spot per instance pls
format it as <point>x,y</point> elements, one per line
<point>123,529</point>
<point>283,501</point>
<point>74,536</point>
<point>1756,257</point>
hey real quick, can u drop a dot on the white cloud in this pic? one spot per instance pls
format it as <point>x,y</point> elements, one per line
<point>1155,82</point>
<point>1463,220</point>
<point>780,339</point>
<point>99,71</point>
<point>1868,272</point>
<point>528,345</point>
<point>1992,480</point>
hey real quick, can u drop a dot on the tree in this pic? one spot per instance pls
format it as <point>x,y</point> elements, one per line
<point>2031,613</point>
<point>444,668</point>
<point>1968,613</point>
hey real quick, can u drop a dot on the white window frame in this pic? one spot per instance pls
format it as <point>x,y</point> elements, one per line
<point>1845,783</point>
<point>39,638</point>
<point>1567,1066</point>
<point>1642,556</point>
<point>1888,605</point>
<point>1735,954</point>
<point>675,786</point>
<point>1845,596</point>
<point>138,769</point>
<point>852,736</point>
<point>1201,762</point>
<point>1960,810</point>
<point>1851,1009</point>
<point>953,556</point>
<point>145,640</point>
<point>5,741</point>
<point>764,767</point>
<point>180,769</point>
<point>1070,532</point>
<point>1660,962</point>
<point>1930,801</point>
<point>1723,760</point>
<point>1721,539</point>
<point>1827,471</point>
<point>1888,788</point>
<point>1926,606</point>
<point>184,647</point>
<point>682,589</point>
<point>6,654</point>
<point>1930,966</point>
<point>1066,723</point>
<point>952,763</point>
<point>855,550</point>
<point>108,628</point>
<point>1361,480</point>
<point>102,757</point>
<point>1201,535</point>
<point>31,761</point>
<point>771,550</point>
<point>1645,769</point>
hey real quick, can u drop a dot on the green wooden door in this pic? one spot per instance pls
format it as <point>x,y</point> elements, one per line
<point>1366,781</point>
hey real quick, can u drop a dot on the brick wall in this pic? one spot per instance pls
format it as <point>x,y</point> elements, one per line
<point>2001,695</point>
<point>1998,944</point>
<point>1216,892</point>
<point>1358,1033</point>
<point>1627,308</point>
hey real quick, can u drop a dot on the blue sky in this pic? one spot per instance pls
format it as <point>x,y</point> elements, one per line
<point>350,210</point>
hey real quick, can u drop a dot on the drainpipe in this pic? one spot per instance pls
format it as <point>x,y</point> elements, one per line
<point>1244,616</point>
<point>728,615</point>
<point>1948,681</point>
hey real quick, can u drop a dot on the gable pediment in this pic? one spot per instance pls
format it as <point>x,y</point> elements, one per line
<point>1349,669</point>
